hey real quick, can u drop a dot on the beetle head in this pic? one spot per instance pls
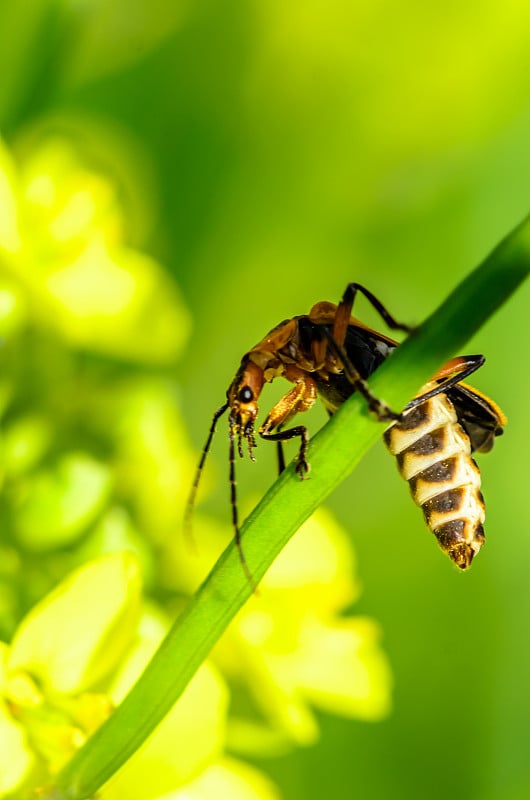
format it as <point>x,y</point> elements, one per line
<point>243,395</point>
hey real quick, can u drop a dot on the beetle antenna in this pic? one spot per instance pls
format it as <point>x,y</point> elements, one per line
<point>188,513</point>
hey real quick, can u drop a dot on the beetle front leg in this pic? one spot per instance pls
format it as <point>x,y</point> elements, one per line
<point>302,465</point>
<point>300,398</point>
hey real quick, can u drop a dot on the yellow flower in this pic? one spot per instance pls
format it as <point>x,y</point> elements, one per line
<point>17,759</point>
<point>292,644</point>
<point>68,642</point>
<point>76,634</point>
<point>79,637</point>
<point>227,778</point>
<point>183,759</point>
<point>153,459</point>
<point>63,247</point>
<point>296,648</point>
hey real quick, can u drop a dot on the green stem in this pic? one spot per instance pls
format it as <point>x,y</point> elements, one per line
<point>333,454</point>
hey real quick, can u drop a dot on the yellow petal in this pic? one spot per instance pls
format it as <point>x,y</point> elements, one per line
<point>77,633</point>
<point>16,756</point>
<point>228,779</point>
<point>9,232</point>
<point>25,442</point>
<point>58,503</point>
<point>13,310</point>
<point>319,563</point>
<point>339,667</point>
<point>104,301</point>
<point>188,738</point>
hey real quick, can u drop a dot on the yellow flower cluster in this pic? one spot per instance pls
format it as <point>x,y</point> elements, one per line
<point>79,638</point>
<point>66,264</point>
<point>95,470</point>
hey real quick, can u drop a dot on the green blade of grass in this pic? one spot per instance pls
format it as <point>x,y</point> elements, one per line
<point>333,454</point>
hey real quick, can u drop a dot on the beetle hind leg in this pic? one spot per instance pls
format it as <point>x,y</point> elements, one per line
<point>345,307</point>
<point>378,407</point>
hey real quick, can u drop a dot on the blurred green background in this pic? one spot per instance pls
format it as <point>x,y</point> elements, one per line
<point>284,149</point>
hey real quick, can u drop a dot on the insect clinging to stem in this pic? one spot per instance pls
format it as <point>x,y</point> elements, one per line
<point>330,354</point>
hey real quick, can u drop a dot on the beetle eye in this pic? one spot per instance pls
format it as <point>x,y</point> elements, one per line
<point>245,395</point>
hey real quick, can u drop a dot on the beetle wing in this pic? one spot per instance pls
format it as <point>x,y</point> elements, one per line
<point>481,418</point>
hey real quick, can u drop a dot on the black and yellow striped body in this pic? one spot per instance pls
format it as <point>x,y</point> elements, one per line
<point>433,445</point>
<point>331,354</point>
<point>433,453</point>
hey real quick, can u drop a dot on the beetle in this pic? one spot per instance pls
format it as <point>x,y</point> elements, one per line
<point>330,354</point>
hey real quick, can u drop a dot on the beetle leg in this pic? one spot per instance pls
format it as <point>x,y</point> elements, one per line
<point>248,434</point>
<point>300,398</point>
<point>378,407</point>
<point>344,309</point>
<point>302,465</point>
<point>336,339</point>
<point>281,456</point>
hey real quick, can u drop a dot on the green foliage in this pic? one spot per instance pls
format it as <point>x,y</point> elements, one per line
<point>259,157</point>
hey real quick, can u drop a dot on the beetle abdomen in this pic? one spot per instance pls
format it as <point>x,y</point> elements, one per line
<point>433,453</point>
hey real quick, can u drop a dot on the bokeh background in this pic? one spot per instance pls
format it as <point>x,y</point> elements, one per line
<point>267,154</point>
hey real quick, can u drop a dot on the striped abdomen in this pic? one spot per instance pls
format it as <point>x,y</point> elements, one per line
<point>434,455</point>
